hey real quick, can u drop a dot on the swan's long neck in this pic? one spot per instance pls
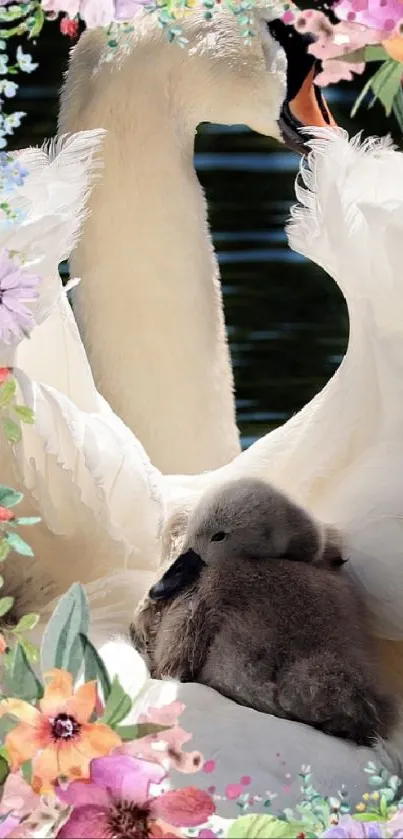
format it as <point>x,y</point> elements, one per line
<point>149,306</point>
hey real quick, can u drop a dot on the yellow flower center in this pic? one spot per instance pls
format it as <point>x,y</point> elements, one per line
<point>65,727</point>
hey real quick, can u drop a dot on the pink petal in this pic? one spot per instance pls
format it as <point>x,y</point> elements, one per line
<point>86,822</point>
<point>187,807</point>
<point>126,777</point>
<point>8,825</point>
<point>209,766</point>
<point>18,796</point>
<point>82,793</point>
<point>233,791</point>
<point>166,715</point>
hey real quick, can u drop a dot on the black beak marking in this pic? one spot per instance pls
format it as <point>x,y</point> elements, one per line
<point>184,571</point>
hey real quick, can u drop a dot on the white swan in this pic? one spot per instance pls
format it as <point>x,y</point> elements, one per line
<point>104,504</point>
<point>149,308</point>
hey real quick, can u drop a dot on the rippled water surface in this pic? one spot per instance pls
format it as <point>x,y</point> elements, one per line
<point>287,322</point>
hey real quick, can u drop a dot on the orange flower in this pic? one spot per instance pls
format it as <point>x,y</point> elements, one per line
<point>57,737</point>
<point>394,48</point>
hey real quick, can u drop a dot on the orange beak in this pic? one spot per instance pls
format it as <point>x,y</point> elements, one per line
<point>304,105</point>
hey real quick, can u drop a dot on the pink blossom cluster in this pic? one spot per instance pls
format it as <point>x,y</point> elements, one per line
<point>95,12</point>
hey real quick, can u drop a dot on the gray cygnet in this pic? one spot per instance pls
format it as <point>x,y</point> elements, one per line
<point>256,607</point>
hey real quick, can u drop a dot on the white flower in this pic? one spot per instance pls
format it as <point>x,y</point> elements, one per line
<point>24,61</point>
<point>8,88</point>
<point>12,121</point>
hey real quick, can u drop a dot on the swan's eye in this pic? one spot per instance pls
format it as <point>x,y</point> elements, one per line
<point>218,537</point>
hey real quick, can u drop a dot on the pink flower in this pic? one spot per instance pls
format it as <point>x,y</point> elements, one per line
<point>172,740</point>
<point>117,802</point>
<point>383,15</point>
<point>335,71</point>
<point>97,12</point>
<point>71,7</point>
<point>333,41</point>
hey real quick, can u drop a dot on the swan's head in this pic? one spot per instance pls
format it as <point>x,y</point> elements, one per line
<point>267,84</point>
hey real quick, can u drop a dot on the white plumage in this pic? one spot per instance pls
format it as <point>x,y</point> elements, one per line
<point>104,505</point>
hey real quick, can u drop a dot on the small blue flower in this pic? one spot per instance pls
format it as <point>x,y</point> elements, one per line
<point>12,121</point>
<point>3,64</point>
<point>8,88</point>
<point>25,62</point>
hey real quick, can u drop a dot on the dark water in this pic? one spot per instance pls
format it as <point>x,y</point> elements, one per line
<point>286,319</point>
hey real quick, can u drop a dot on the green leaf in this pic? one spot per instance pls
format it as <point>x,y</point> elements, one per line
<point>26,770</point>
<point>27,520</point>
<point>118,705</point>
<point>60,638</point>
<point>27,622</point>
<point>21,680</point>
<point>6,603</point>
<point>31,651</point>
<point>18,545</point>
<point>386,82</point>
<point>398,108</point>
<point>9,497</point>
<point>369,816</point>
<point>12,431</point>
<point>7,391</point>
<point>94,667</point>
<point>260,827</point>
<point>4,770</point>
<point>375,53</point>
<point>4,550</point>
<point>25,414</point>
<point>142,729</point>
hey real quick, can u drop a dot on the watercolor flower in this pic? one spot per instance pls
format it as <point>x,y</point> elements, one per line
<point>71,7</point>
<point>349,828</point>
<point>8,824</point>
<point>383,15</point>
<point>17,287</point>
<point>69,27</point>
<point>166,745</point>
<point>97,12</point>
<point>117,802</point>
<point>57,737</point>
<point>128,9</point>
<point>24,61</point>
<point>4,374</point>
<point>333,42</point>
<point>6,514</point>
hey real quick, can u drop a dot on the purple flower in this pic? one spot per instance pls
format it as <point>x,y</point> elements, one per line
<point>349,828</point>
<point>17,287</point>
<point>128,9</point>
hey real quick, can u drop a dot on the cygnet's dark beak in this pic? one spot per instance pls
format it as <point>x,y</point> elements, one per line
<point>304,105</point>
<point>184,571</point>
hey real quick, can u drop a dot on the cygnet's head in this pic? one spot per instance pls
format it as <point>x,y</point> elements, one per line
<point>245,518</point>
<point>251,518</point>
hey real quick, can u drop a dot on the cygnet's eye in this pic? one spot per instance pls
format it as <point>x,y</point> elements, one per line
<point>218,537</point>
